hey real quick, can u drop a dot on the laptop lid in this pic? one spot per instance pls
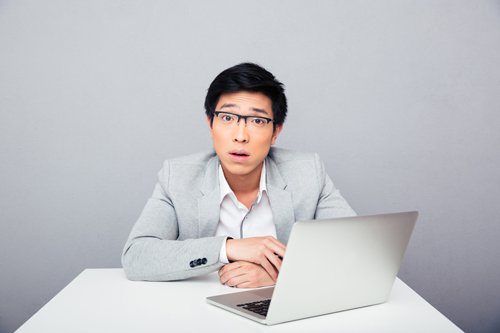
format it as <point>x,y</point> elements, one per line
<point>332,265</point>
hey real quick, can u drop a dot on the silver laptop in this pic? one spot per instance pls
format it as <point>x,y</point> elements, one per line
<point>330,265</point>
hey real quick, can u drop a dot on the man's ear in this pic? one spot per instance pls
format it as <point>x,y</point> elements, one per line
<point>276,132</point>
<point>209,122</point>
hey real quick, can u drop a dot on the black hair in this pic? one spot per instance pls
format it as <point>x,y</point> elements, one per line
<point>247,77</point>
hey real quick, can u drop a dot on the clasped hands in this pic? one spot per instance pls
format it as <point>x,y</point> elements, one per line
<point>255,262</point>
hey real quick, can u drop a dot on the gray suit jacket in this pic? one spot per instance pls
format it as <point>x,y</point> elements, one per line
<point>178,224</point>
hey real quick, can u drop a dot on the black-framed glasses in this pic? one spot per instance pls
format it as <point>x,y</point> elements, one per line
<point>231,119</point>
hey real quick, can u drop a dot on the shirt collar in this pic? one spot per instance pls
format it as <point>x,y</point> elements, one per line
<point>225,189</point>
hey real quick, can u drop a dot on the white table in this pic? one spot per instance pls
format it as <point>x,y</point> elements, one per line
<point>103,300</point>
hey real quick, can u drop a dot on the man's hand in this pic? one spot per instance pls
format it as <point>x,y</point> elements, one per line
<point>264,251</point>
<point>244,274</point>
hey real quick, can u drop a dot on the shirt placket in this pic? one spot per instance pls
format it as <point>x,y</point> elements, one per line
<point>245,217</point>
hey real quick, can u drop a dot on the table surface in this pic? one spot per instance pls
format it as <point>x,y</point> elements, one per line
<point>103,300</point>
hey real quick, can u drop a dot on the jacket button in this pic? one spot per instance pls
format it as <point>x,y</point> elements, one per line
<point>198,262</point>
<point>192,264</point>
<point>204,261</point>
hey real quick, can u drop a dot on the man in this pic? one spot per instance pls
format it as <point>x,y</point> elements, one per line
<point>233,208</point>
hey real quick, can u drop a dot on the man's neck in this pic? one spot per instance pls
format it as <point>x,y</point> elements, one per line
<point>246,184</point>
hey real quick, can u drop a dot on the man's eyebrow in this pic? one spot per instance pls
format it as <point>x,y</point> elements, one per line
<point>260,111</point>
<point>225,105</point>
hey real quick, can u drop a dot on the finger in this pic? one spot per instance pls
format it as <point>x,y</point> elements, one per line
<point>229,267</point>
<point>231,274</point>
<point>226,268</point>
<point>246,284</point>
<point>275,248</point>
<point>237,280</point>
<point>269,269</point>
<point>273,259</point>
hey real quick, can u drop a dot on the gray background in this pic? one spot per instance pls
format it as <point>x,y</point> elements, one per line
<point>400,98</point>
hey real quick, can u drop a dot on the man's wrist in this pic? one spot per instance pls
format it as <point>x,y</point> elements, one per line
<point>223,254</point>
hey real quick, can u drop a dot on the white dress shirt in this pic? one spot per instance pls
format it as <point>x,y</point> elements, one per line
<point>237,221</point>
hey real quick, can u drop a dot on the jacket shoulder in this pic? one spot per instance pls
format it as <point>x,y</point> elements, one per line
<point>186,172</point>
<point>300,170</point>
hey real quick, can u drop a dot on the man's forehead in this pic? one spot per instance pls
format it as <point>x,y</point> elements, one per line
<point>245,101</point>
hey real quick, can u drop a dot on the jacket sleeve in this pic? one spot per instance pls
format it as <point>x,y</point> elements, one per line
<point>331,203</point>
<point>153,251</point>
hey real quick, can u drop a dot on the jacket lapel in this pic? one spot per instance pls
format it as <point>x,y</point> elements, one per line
<point>280,201</point>
<point>209,202</point>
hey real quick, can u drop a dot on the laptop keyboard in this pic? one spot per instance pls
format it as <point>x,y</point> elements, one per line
<point>259,307</point>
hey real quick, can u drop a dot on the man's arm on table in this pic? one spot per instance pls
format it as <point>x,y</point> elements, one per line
<point>153,251</point>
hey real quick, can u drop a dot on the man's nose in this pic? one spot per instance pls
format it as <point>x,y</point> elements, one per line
<point>241,132</point>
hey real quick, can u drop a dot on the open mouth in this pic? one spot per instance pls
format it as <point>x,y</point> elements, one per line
<point>239,154</point>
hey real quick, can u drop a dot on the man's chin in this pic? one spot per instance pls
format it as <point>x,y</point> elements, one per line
<point>239,169</point>
<point>240,172</point>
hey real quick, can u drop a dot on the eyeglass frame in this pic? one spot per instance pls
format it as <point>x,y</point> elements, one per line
<point>269,120</point>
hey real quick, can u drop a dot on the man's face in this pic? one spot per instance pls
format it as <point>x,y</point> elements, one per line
<point>241,149</point>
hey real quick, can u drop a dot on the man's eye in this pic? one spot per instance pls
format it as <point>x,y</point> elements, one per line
<point>258,121</point>
<point>227,118</point>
